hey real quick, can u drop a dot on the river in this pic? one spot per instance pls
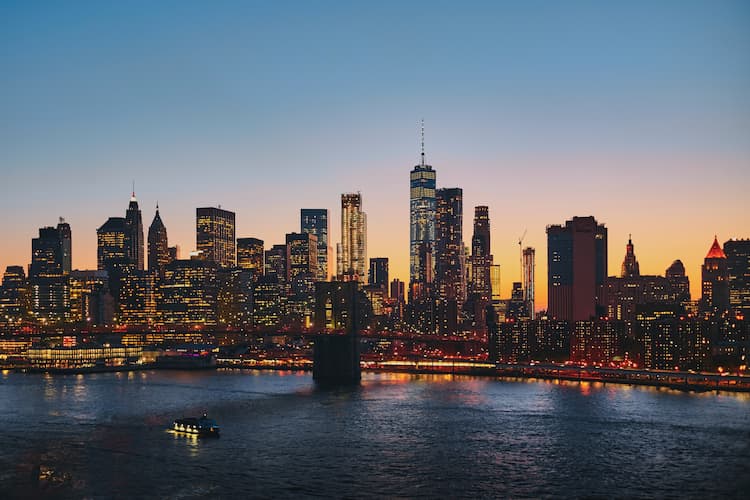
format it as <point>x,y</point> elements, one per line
<point>396,435</point>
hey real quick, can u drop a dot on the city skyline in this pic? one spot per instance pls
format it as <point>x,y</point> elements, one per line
<point>646,133</point>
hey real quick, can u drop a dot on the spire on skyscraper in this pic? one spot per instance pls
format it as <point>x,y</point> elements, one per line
<point>715,252</point>
<point>422,142</point>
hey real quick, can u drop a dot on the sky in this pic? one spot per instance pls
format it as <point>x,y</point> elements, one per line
<point>637,113</point>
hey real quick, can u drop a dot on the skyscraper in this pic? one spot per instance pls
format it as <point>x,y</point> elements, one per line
<point>529,264</point>
<point>577,269</point>
<point>315,221</point>
<point>158,247</point>
<point>450,275</point>
<point>50,290</point>
<point>134,223</point>
<point>738,267</point>
<point>422,207</point>
<point>66,240</point>
<point>302,249</point>
<point>250,255</point>
<point>481,257</point>
<point>353,238</point>
<point>630,266</point>
<point>379,272</point>
<point>715,280</point>
<point>215,238</point>
<point>111,243</point>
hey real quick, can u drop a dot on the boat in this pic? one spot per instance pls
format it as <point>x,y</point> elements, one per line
<point>201,427</point>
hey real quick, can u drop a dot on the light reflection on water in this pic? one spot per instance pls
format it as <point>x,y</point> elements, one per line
<point>395,435</point>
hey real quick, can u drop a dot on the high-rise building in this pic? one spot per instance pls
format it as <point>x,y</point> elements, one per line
<point>158,247</point>
<point>450,275</point>
<point>353,238</point>
<point>250,255</point>
<point>50,252</point>
<point>215,236</point>
<point>315,221</point>
<point>630,266</point>
<point>14,304</point>
<point>738,267</point>
<point>715,280</point>
<point>379,272</point>
<point>277,258</point>
<point>577,269</point>
<point>481,258</point>
<point>66,240</point>
<point>137,300</point>
<point>422,207</point>
<point>134,223</point>
<point>302,249</point>
<point>189,292</point>
<point>679,282</point>
<point>450,263</point>
<point>529,264</point>
<point>48,281</point>
<point>111,243</point>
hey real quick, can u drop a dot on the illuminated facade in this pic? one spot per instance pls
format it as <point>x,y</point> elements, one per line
<point>577,269</point>
<point>715,280</point>
<point>48,276</point>
<point>679,282</point>
<point>158,246</point>
<point>353,239</point>
<point>215,236</point>
<point>302,271</point>
<point>234,306</point>
<point>250,255</point>
<point>450,265</point>
<point>268,302</point>
<point>315,221</point>
<point>422,208</point>
<point>111,243</point>
<point>14,296</point>
<point>529,265</point>
<point>90,300</point>
<point>137,300</point>
<point>738,268</point>
<point>189,293</point>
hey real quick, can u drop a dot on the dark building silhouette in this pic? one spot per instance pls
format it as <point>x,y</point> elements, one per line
<point>450,273</point>
<point>215,235</point>
<point>715,280</point>
<point>378,275</point>
<point>340,312</point>
<point>158,246</point>
<point>630,266</point>
<point>315,221</point>
<point>738,268</point>
<point>577,269</point>
<point>134,223</point>
<point>481,262</point>
<point>679,282</point>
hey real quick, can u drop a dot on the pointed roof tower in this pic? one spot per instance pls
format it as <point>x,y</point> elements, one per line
<point>716,252</point>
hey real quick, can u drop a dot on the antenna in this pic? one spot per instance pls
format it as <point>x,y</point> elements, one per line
<point>423,142</point>
<point>133,188</point>
<point>520,253</point>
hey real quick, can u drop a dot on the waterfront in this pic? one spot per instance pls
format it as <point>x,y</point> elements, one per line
<point>103,435</point>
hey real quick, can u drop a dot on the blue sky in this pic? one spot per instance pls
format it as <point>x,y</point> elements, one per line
<point>635,112</point>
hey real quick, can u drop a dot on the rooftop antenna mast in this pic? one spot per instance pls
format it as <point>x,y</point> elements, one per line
<point>423,142</point>
<point>520,254</point>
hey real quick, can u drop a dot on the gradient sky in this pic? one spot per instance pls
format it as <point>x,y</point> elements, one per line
<point>635,112</point>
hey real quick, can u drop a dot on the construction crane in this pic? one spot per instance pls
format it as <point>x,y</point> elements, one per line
<point>520,255</point>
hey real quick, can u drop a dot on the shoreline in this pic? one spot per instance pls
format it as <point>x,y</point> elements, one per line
<point>682,381</point>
